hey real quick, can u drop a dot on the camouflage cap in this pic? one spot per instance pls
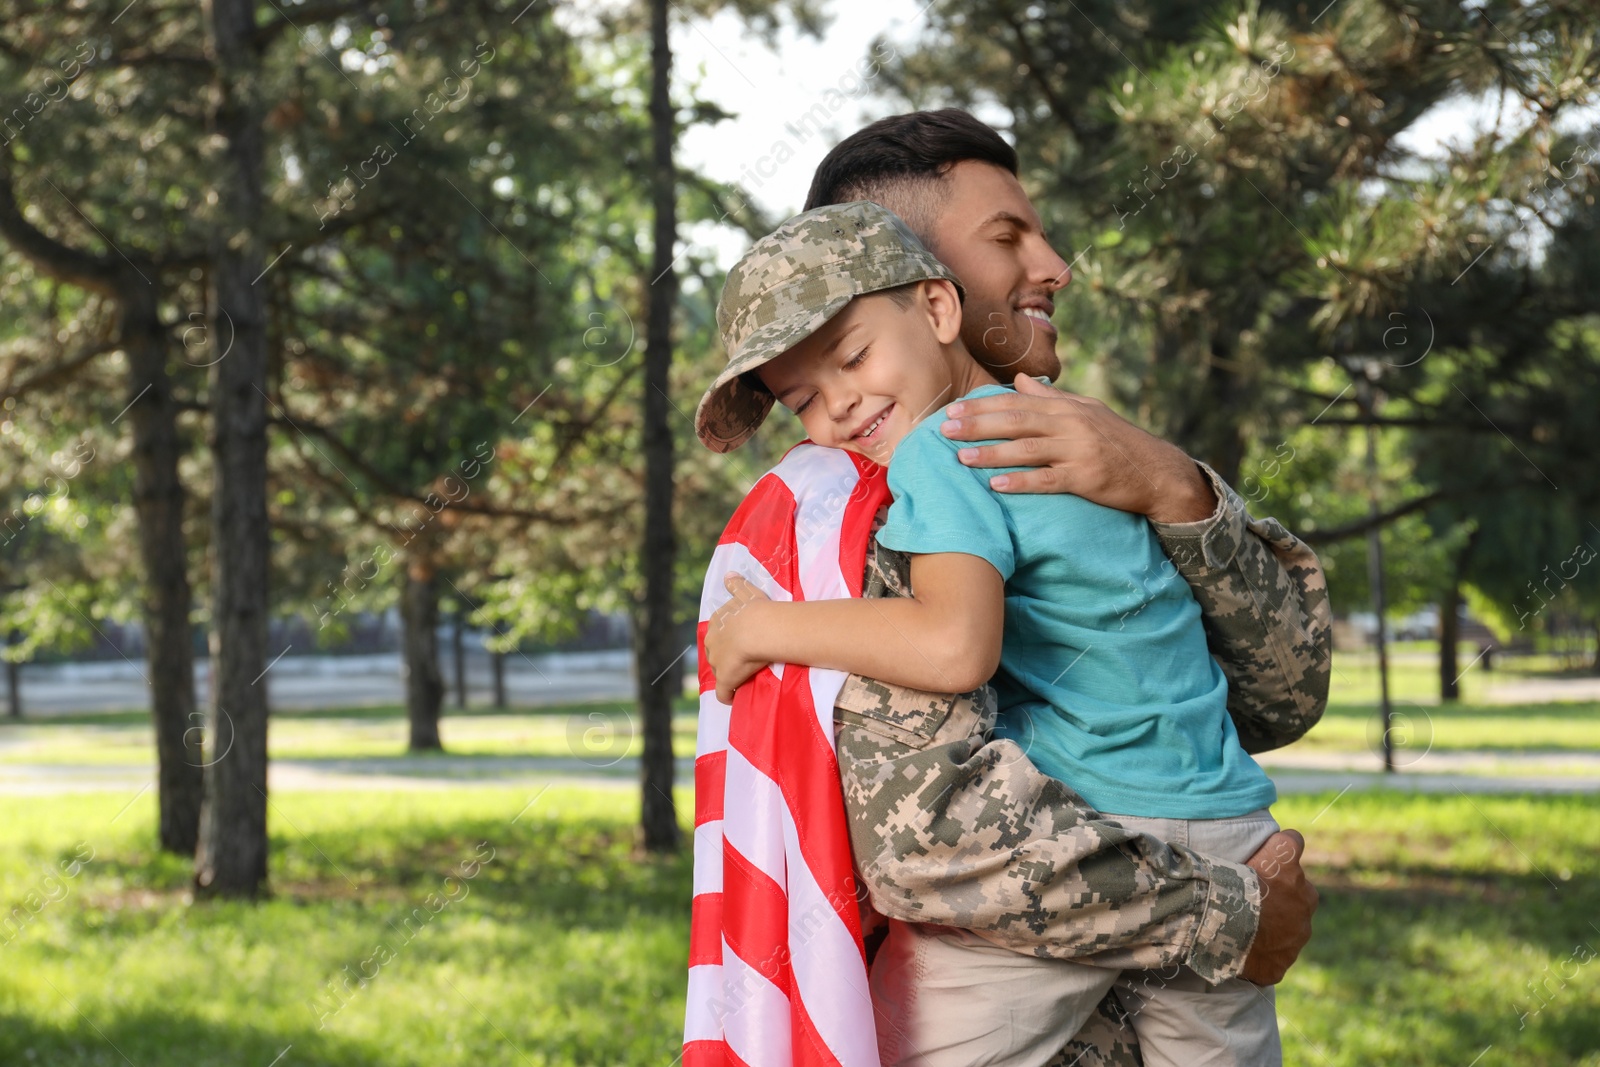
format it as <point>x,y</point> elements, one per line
<point>787,286</point>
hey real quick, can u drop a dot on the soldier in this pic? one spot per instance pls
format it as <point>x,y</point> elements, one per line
<point>926,786</point>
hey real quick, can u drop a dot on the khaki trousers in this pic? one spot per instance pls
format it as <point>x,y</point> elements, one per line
<point>946,997</point>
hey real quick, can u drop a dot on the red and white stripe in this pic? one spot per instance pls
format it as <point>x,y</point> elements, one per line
<point>777,973</point>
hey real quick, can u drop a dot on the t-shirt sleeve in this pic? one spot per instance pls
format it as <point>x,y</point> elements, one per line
<point>940,505</point>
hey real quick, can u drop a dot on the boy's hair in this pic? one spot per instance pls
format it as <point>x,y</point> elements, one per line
<point>900,162</point>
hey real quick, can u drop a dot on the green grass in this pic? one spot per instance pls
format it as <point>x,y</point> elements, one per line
<point>1524,728</point>
<point>1412,676</point>
<point>563,946</point>
<point>1352,721</point>
<point>1444,919</point>
<point>567,949</point>
<point>1440,917</point>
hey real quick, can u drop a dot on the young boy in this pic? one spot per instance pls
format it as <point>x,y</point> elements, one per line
<point>1097,654</point>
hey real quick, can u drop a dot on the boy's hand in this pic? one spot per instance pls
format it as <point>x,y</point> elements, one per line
<point>1078,445</point>
<point>1288,901</point>
<point>729,658</point>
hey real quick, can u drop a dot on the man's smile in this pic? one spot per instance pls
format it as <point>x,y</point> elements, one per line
<point>1038,310</point>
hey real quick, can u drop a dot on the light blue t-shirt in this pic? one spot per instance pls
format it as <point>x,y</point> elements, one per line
<point>1105,679</point>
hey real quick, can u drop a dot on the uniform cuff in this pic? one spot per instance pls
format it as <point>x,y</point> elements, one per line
<point>1228,923</point>
<point>1209,543</point>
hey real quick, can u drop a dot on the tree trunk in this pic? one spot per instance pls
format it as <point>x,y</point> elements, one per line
<point>232,857</point>
<point>159,500</point>
<point>1450,623</point>
<point>1449,640</point>
<point>497,662</point>
<point>458,656</point>
<point>14,679</point>
<point>1199,415</point>
<point>419,641</point>
<point>654,632</point>
<point>1220,441</point>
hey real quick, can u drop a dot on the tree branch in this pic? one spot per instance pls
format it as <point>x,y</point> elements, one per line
<point>97,274</point>
<point>193,60</point>
<point>393,489</point>
<point>1383,518</point>
<point>1470,425</point>
<point>59,370</point>
<point>306,15</point>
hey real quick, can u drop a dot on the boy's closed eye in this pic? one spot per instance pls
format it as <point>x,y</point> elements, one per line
<point>850,364</point>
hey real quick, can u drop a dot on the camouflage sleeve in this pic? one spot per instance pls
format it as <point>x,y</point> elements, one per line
<point>1106,1040</point>
<point>1264,602</point>
<point>950,827</point>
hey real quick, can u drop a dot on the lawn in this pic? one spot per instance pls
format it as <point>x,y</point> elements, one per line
<point>1523,728</point>
<point>1420,724</point>
<point>556,948</point>
<point>1453,931</point>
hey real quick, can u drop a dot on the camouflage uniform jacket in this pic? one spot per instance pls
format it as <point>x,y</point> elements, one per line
<point>951,827</point>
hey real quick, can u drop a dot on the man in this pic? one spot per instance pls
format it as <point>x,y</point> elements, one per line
<point>920,774</point>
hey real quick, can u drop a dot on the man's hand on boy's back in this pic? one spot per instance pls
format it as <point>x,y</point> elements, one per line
<point>1078,445</point>
<point>1288,901</point>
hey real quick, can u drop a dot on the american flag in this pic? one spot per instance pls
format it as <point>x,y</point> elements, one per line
<point>777,972</point>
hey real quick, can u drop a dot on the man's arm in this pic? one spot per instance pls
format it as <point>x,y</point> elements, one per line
<point>1261,591</point>
<point>1264,603</point>
<point>968,833</point>
<point>949,827</point>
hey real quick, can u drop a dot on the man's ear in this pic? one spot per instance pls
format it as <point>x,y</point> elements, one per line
<point>943,305</point>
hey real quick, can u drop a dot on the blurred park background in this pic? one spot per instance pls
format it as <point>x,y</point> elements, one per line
<point>353,523</point>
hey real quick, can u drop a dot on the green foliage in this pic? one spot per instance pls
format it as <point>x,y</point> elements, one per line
<point>457,207</point>
<point>63,554</point>
<point>1253,230</point>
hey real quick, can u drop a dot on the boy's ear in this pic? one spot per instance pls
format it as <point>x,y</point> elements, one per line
<point>943,305</point>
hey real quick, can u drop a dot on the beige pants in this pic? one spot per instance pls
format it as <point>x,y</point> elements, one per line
<point>945,996</point>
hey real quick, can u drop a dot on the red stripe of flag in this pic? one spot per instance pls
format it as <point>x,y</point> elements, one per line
<point>710,783</point>
<point>708,679</point>
<point>870,493</point>
<point>764,525</point>
<point>705,930</point>
<point>809,1048</point>
<point>710,1054</point>
<point>755,919</point>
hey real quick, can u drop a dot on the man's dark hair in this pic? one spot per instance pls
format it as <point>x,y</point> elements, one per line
<point>900,162</point>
